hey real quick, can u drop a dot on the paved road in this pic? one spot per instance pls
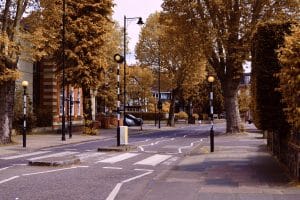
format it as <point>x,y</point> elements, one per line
<point>100,175</point>
<point>172,164</point>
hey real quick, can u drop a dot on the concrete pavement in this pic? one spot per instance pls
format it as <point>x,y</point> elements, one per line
<point>239,169</point>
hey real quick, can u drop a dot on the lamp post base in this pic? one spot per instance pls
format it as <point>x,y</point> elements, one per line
<point>211,140</point>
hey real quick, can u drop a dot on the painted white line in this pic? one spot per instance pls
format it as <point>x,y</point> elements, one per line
<point>24,155</point>
<point>56,170</point>
<point>141,148</point>
<point>4,168</point>
<point>66,153</point>
<point>89,155</point>
<point>115,191</point>
<point>145,170</point>
<point>117,188</point>
<point>9,179</point>
<point>190,146</point>
<point>152,144</point>
<point>153,160</point>
<point>118,158</point>
<point>136,177</point>
<point>20,164</point>
<point>112,167</point>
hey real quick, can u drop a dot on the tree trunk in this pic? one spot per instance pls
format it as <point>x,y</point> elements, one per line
<point>87,107</point>
<point>7,91</point>
<point>171,119</point>
<point>233,119</point>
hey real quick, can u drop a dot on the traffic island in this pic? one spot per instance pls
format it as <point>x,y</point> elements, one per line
<point>55,161</point>
<point>120,148</point>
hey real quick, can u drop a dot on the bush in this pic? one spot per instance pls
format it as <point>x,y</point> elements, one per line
<point>195,116</point>
<point>182,115</point>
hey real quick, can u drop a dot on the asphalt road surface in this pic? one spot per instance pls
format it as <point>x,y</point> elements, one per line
<point>102,175</point>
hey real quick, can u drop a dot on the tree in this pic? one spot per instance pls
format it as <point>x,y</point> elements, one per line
<point>88,42</point>
<point>10,49</point>
<point>182,60</point>
<point>225,28</point>
<point>289,77</point>
<point>140,83</point>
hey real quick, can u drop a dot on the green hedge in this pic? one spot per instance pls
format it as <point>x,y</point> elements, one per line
<point>267,108</point>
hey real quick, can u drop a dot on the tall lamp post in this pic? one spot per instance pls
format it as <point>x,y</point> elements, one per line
<point>63,119</point>
<point>140,22</point>
<point>211,79</point>
<point>159,105</point>
<point>24,84</point>
<point>119,59</point>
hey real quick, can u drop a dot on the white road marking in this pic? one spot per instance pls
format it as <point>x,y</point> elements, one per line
<point>153,160</point>
<point>56,170</point>
<point>9,179</point>
<point>117,188</point>
<point>66,153</point>
<point>152,144</point>
<point>24,155</point>
<point>118,158</point>
<point>89,155</point>
<point>112,167</point>
<point>4,168</point>
<point>190,146</point>
<point>141,148</point>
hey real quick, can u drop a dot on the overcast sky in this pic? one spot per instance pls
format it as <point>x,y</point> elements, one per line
<point>134,8</point>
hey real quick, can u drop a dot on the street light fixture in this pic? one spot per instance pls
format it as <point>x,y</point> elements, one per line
<point>211,79</point>
<point>25,85</point>
<point>140,22</point>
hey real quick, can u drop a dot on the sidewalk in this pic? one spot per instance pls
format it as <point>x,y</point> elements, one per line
<point>239,169</point>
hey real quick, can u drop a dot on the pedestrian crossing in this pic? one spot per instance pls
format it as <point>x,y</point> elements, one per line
<point>137,158</point>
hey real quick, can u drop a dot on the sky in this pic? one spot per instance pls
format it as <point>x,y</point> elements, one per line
<point>131,9</point>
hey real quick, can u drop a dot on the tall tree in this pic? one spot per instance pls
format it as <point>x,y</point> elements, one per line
<point>88,42</point>
<point>12,12</point>
<point>88,22</point>
<point>225,28</point>
<point>140,84</point>
<point>182,60</point>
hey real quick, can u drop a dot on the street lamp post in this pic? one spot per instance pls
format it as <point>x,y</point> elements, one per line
<point>140,22</point>
<point>119,59</point>
<point>63,120</point>
<point>211,79</point>
<point>24,84</point>
<point>159,97</point>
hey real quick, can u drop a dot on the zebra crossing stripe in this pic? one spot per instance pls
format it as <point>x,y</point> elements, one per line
<point>118,158</point>
<point>153,160</point>
<point>66,153</point>
<point>89,155</point>
<point>24,155</point>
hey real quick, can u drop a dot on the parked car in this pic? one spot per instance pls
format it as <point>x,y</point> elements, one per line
<point>131,120</point>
